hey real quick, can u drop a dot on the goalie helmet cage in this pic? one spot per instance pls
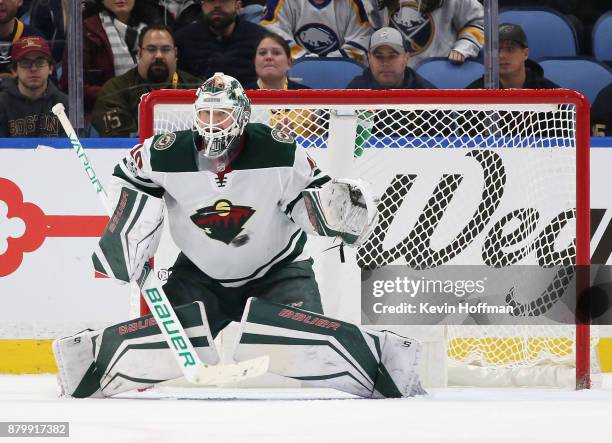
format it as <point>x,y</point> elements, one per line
<point>548,129</point>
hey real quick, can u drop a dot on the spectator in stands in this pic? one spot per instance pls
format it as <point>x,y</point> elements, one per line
<point>388,61</point>
<point>11,30</point>
<point>516,70</point>
<point>433,28</point>
<point>116,111</point>
<point>222,42</point>
<point>389,69</point>
<point>26,102</point>
<point>50,17</point>
<point>601,113</point>
<point>338,28</point>
<point>190,11</point>
<point>272,64</point>
<point>110,42</point>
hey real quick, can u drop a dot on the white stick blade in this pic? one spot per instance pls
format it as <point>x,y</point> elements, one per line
<point>222,374</point>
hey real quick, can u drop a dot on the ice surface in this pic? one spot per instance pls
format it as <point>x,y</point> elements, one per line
<point>306,415</point>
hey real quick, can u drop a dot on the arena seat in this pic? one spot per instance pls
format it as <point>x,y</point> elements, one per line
<point>580,73</point>
<point>446,75</point>
<point>325,72</point>
<point>548,32</point>
<point>602,38</point>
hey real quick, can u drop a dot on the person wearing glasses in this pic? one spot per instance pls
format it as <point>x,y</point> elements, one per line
<point>110,34</point>
<point>27,98</point>
<point>115,113</point>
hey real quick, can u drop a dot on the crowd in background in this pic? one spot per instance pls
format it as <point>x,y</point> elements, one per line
<point>133,46</point>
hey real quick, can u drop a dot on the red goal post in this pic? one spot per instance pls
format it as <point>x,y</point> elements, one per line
<point>564,115</point>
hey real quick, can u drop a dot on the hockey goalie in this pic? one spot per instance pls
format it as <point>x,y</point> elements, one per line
<point>241,200</point>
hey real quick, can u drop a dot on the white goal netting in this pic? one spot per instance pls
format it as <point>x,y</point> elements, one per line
<point>469,179</point>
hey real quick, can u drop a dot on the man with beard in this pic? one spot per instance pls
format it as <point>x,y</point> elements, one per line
<point>26,102</point>
<point>116,111</point>
<point>222,41</point>
<point>11,30</point>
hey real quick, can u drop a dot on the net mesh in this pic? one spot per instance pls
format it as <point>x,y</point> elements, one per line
<point>526,156</point>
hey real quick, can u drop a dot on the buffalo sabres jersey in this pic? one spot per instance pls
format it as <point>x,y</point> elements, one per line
<point>456,25</point>
<point>234,226</point>
<point>333,28</point>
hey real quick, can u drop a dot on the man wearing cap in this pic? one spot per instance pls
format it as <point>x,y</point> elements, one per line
<point>26,101</point>
<point>388,69</point>
<point>516,70</point>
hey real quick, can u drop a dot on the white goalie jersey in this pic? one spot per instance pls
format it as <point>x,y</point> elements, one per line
<point>233,226</point>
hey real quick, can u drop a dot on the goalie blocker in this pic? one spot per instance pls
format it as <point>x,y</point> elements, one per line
<point>317,350</point>
<point>131,236</point>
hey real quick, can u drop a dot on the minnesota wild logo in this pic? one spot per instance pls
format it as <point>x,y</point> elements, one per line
<point>164,141</point>
<point>222,221</point>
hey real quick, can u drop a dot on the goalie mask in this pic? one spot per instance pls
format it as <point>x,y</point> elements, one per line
<point>221,112</point>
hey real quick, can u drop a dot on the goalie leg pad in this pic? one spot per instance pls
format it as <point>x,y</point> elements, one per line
<point>131,236</point>
<point>129,355</point>
<point>325,352</point>
<point>399,358</point>
<point>75,362</point>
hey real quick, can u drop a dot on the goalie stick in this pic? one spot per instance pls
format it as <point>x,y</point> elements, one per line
<point>194,370</point>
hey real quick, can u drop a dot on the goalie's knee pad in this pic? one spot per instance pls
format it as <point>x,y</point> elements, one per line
<point>129,355</point>
<point>322,351</point>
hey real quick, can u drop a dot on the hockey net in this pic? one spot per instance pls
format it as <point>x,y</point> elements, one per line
<point>491,178</point>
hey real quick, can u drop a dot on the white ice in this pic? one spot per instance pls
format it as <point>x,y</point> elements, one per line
<point>313,415</point>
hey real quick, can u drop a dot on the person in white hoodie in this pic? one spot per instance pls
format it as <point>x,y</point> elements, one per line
<point>433,28</point>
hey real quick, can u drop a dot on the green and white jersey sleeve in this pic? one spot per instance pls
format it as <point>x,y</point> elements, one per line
<point>134,170</point>
<point>234,226</point>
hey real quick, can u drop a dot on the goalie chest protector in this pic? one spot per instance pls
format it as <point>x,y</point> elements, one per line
<point>235,225</point>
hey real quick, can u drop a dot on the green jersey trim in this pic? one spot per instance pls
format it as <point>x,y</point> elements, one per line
<point>314,184</point>
<point>177,153</point>
<point>274,262</point>
<point>152,190</point>
<point>261,150</point>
